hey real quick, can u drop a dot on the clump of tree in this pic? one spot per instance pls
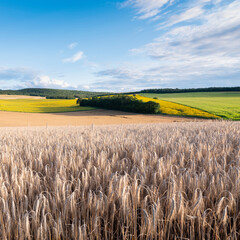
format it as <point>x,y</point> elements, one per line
<point>120,102</point>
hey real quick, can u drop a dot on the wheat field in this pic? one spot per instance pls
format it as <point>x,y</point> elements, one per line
<point>155,181</point>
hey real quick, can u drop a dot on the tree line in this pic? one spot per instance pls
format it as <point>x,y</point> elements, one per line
<point>120,102</point>
<point>52,93</point>
<point>186,90</point>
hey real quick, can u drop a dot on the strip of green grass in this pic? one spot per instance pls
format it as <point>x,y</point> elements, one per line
<point>223,104</point>
<point>41,106</point>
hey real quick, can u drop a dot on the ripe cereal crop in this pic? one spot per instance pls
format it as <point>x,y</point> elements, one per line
<point>153,181</point>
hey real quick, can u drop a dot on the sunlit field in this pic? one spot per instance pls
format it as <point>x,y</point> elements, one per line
<point>40,105</point>
<point>223,104</point>
<point>171,108</point>
<point>168,181</point>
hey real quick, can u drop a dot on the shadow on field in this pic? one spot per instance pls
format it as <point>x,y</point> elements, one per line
<point>121,114</point>
<point>95,112</point>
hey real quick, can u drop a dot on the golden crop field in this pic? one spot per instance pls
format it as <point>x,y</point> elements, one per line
<point>40,105</point>
<point>171,108</point>
<point>156,181</point>
<point>20,97</point>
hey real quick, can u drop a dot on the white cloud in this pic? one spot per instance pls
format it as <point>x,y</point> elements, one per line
<point>24,78</point>
<point>44,81</point>
<point>217,38</point>
<point>146,8</point>
<point>72,45</point>
<point>189,14</point>
<point>164,9</point>
<point>76,57</point>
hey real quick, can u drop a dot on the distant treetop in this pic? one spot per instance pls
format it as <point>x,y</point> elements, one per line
<point>52,93</point>
<point>177,90</point>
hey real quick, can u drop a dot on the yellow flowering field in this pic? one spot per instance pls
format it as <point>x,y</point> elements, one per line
<point>41,105</point>
<point>171,108</point>
<point>223,104</point>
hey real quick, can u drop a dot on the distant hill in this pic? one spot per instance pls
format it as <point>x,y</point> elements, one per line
<point>177,90</point>
<point>53,93</point>
<point>71,94</point>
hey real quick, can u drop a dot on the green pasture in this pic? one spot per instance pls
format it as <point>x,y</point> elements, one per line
<point>41,105</point>
<point>223,104</point>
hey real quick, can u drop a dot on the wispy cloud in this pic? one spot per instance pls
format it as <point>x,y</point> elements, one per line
<point>198,45</point>
<point>10,74</point>
<point>72,45</point>
<point>212,46</point>
<point>189,14</point>
<point>130,78</point>
<point>121,74</point>
<point>162,9</point>
<point>146,8</point>
<point>75,58</point>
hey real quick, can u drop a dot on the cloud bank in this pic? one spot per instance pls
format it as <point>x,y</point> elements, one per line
<point>27,78</point>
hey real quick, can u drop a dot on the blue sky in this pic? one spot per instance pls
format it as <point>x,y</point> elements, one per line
<point>125,45</point>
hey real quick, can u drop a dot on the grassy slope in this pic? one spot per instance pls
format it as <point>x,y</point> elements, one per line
<point>224,104</point>
<point>41,105</point>
<point>171,108</point>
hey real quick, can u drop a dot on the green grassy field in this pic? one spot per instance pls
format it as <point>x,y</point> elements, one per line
<point>41,106</point>
<point>223,104</point>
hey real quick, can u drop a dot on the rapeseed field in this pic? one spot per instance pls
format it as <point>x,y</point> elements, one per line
<point>223,104</point>
<point>41,105</point>
<point>171,108</point>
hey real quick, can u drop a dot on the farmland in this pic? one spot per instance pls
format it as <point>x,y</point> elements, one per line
<point>213,105</point>
<point>79,118</point>
<point>156,181</point>
<point>40,105</point>
<point>223,104</point>
<point>19,97</point>
<point>136,103</point>
<point>29,111</point>
<point>171,108</point>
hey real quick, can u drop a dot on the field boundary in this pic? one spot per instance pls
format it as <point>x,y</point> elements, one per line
<point>196,116</point>
<point>217,115</point>
<point>193,108</point>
